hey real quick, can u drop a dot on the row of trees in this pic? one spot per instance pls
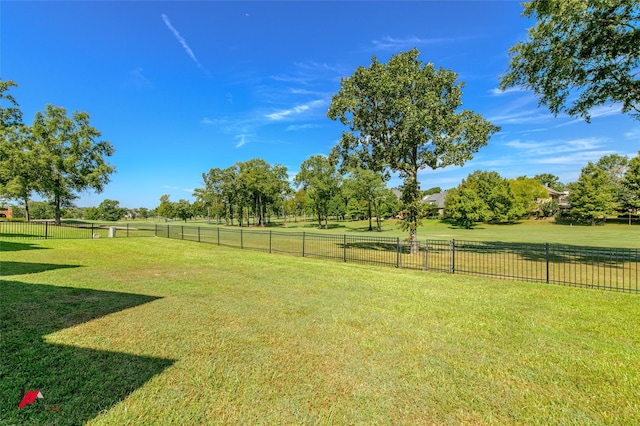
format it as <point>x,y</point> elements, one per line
<point>255,190</point>
<point>108,210</point>
<point>57,156</point>
<point>608,187</point>
<point>488,197</point>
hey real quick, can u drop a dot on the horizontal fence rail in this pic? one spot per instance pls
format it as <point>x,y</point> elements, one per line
<point>597,267</point>
<point>73,230</point>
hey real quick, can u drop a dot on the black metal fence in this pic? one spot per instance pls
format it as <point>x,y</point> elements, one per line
<point>598,267</point>
<point>73,230</point>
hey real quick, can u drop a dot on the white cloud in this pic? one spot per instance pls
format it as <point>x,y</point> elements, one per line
<point>552,147</point>
<point>393,43</point>
<point>520,110</point>
<point>294,127</point>
<point>633,133</point>
<point>298,109</point>
<point>139,80</point>
<point>596,112</point>
<point>499,92</point>
<point>579,158</point>
<point>183,43</point>
<point>242,139</point>
<point>521,117</point>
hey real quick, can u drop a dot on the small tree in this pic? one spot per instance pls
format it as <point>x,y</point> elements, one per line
<point>110,210</point>
<point>549,208</point>
<point>464,207</point>
<point>143,212</point>
<point>368,186</point>
<point>182,210</point>
<point>166,208</point>
<point>527,192</point>
<point>592,195</point>
<point>321,181</point>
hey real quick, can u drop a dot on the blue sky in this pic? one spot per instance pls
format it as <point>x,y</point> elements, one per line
<point>181,87</point>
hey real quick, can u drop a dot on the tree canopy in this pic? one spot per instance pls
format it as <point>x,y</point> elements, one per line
<point>73,153</point>
<point>580,54</point>
<point>488,197</point>
<point>631,182</point>
<point>56,157</point>
<point>107,210</point>
<point>321,182</point>
<point>404,115</point>
<point>592,196</point>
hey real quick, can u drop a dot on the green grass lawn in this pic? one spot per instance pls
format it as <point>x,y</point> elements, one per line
<point>156,331</point>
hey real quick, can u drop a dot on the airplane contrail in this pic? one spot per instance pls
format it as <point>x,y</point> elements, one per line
<point>182,42</point>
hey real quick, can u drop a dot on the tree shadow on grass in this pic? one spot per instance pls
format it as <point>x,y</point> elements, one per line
<point>19,268</point>
<point>329,226</point>
<point>365,229</point>
<point>76,383</point>
<point>13,246</point>
<point>456,225</point>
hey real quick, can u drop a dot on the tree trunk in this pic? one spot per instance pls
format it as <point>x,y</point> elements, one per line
<point>410,199</point>
<point>28,215</point>
<point>261,210</point>
<point>57,210</point>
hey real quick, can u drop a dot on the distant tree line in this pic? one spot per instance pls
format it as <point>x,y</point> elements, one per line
<point>254,192</point>
<point>608,187</point>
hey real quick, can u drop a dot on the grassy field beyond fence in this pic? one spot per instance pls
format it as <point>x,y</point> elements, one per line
<point>157,331</point>
<point>612,268</point>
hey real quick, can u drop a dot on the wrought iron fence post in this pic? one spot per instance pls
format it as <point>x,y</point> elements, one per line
<point>452,249</point>
<point>344,247</point>
<point>198,234</point>
<point>168,232</point>
<point>127,230</point>
<point>182,232</point>
<point>426,255</point>
<point>302,243</point>
<point>546,251</point>
<point>155,230</point>
<point>241,242</point>
<point>397,252</point>
<point>270,237</point>
<point>46,230</point>
<point>92,231</point>
<point>218,236</point>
